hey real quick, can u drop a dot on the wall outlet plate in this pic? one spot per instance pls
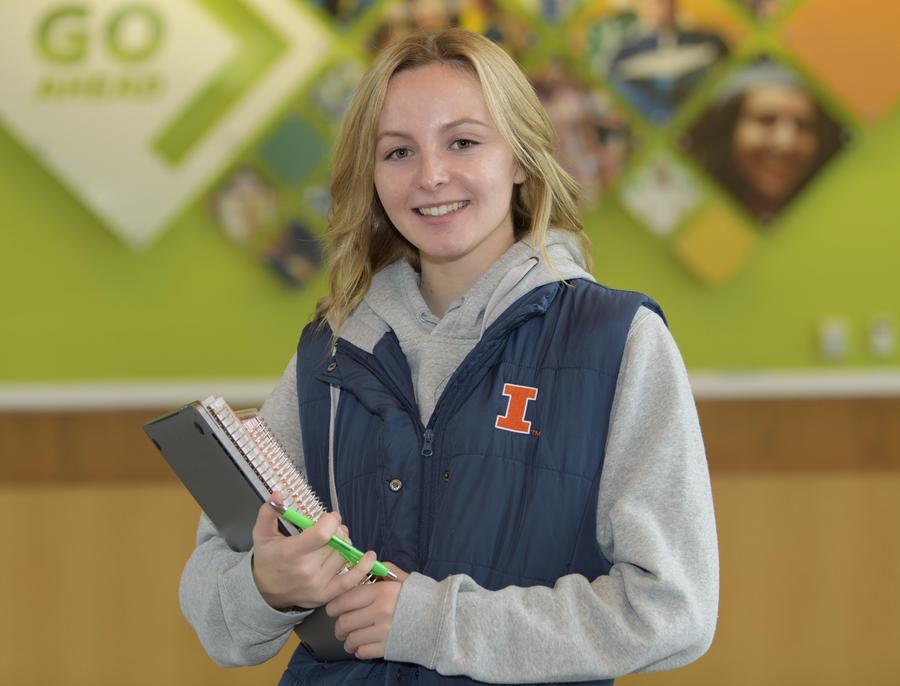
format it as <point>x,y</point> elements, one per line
<point>882,336</point>
<point>834,339</point>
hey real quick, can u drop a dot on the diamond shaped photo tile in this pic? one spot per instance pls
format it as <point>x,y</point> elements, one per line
<point>764,137</point>
<point>853,48</point>
<point>594,135</point>
<point>293,149</point>
<point>244,205</point>
<point>553,11</point>
<point>654,53</point>
<point>294,253</point>
<point>317,200</point>
<point>509,29</point>
<point>331,94</point>
<point>343,12</point>
<point>715,245</point>
<point>764,11</point>
<point>660,194</point>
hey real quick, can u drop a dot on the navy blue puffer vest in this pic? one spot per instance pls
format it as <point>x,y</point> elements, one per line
<point>511,457</point>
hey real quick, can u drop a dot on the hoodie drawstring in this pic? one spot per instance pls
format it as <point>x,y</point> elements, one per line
<point>332,420</point>
<point>505,287</point>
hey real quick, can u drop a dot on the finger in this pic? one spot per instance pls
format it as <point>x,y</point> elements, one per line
<point>318,535</point>
<point>334,563</point>
<point>348,622</point>
<point>349,585</point>
<point>266,525</point>
<point>363,637</point>
<point>370,651</point>
<point>356,600</point>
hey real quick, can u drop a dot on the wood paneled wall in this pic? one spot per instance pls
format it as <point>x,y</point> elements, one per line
<point>753,436</point>
<point>95,530</point>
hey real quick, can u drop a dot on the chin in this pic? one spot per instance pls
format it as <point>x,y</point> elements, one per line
<point>439,243</point>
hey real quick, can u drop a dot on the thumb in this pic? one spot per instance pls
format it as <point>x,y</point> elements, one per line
<point>266,525</point>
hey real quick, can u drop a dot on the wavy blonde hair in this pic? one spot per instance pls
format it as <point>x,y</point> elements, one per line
<point>361,239</point>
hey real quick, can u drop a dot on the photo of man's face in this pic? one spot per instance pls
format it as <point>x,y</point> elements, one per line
<point>775,140</point>
<point>764,137</point>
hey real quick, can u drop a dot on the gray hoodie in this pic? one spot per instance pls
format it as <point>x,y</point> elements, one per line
<point>656,609</point>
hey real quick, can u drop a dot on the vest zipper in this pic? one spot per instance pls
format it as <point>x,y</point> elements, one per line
<point>427,438</point>
<point>431,485</point>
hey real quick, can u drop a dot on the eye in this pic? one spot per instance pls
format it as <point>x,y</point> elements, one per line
<point>397,154</point>
<point>767,119</point>
<point>805,125</point>
<point>463,144</point>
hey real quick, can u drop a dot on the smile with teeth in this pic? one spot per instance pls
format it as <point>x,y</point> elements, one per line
<point>441,210</point>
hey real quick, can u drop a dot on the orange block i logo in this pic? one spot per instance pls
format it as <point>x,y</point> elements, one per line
<point>517,403</point>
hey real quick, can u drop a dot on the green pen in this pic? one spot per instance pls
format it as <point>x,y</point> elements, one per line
<point>349,553</point>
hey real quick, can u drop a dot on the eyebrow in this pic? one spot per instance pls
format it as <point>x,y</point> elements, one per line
<point>449,125</point>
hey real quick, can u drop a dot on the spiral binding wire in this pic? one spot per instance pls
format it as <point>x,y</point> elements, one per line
<point>266,457</point>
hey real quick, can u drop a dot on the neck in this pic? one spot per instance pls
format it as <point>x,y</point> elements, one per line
<point>443,283</point>
<point>764,207</point>
<point>446,280</point>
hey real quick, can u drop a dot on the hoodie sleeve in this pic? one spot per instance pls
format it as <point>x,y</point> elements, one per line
<point>657,607</point>
<point>218,595</point>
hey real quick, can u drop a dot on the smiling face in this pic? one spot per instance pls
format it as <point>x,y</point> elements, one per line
<point>774,144</point>
<point>443,172</point>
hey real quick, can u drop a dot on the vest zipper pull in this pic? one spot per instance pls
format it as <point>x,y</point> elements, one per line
<point>426,446</point>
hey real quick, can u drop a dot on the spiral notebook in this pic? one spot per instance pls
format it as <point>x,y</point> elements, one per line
<point>231,463</point>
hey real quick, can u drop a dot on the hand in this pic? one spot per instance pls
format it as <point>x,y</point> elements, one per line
<point>301,571</point>
<point>365,614</point>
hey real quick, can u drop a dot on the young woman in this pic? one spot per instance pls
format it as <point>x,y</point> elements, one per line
<point>519,441</point>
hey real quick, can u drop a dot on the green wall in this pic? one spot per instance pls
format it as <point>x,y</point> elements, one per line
<point>81,305</point>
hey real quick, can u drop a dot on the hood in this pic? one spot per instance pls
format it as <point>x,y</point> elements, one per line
<point>394,302</point>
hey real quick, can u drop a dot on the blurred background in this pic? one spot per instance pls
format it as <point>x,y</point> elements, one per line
<point>164,171</point>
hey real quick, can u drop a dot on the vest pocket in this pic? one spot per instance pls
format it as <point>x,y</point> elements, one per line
<point>503,521</point>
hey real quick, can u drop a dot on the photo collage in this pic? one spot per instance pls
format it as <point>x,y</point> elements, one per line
<point>707,120</point>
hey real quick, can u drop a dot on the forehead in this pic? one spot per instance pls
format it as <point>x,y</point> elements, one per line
<point>432,94</point>
<point>779,100</point>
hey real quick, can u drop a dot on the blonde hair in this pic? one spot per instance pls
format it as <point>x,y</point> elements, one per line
<point>361,239</point>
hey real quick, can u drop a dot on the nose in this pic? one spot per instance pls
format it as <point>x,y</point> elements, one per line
<point>785,135</point>
<point>433,171</point>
